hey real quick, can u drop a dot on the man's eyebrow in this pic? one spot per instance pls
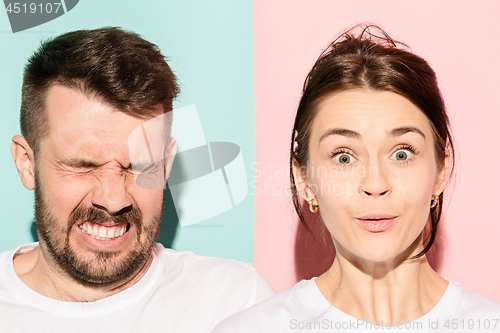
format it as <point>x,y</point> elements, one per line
<point>403,130</point>
<point>341,131</point>
<point>82,163</point>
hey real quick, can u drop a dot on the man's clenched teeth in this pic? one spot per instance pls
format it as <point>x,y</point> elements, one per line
<point>101,232</point>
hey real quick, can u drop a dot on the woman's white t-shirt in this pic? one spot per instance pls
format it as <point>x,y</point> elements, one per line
<point>304,309</point>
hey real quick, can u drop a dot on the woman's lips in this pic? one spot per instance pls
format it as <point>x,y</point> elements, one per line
<point>376,222</point>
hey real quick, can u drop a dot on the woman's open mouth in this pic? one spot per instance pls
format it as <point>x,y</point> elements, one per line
<point>376,222</point>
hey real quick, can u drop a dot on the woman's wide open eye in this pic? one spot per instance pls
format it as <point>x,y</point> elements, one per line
<point>402,154</point>
<point>343,157</point>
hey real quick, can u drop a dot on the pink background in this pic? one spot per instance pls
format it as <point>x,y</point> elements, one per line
<point>459,39</point>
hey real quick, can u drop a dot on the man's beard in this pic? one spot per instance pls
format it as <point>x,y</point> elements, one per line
<point>100,269</point>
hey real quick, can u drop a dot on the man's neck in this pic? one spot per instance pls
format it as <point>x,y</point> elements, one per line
<point>35,272</point>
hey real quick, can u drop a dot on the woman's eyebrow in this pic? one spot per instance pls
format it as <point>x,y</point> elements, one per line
<point>341,131</point>
<point>403,130</point>
<point>355,135</point>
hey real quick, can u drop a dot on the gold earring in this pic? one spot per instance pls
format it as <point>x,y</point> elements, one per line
<point>434,202</point>
<point>311,207</point>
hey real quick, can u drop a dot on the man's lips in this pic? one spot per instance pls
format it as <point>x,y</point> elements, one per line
<point>376,222</point>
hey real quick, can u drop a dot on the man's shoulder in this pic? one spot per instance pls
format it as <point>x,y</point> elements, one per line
<point>6,264</point>
<point>5,254</point>
<point>223,279</point>
<point>195,261</point>
<point>19,249</point>
<point>222,272</point>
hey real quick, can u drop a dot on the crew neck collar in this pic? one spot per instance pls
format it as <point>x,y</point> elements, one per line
<point>453,290</point>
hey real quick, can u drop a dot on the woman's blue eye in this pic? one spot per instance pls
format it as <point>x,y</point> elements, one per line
<point>402,155</point>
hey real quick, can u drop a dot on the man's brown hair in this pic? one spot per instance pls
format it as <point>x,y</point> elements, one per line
<point>117,66</point>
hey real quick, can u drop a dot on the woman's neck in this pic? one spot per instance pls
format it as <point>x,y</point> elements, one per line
<point>394,292</point>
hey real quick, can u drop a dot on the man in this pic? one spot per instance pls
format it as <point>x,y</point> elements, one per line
<point>97,266</point>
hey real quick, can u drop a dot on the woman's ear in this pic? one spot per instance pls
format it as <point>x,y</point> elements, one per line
<point>443,175</point>
<point>302,182</point>
<point>24,160</point>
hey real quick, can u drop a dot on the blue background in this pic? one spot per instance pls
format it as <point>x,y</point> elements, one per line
<point>210,47</point>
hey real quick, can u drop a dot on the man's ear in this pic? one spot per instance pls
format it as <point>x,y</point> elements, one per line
<point>444,172</point>
<point>170,155</point>
<point>25,161</point>
<point>301,182</point>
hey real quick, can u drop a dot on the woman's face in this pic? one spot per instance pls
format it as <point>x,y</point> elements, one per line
<point>372,170</point>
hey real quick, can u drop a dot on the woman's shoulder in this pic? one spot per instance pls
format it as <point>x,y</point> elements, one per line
<point>279,312</point>
<point>470,305</point>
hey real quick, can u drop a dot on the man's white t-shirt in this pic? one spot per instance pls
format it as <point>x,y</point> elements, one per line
<point>304,309</point>
<point>180,292</point>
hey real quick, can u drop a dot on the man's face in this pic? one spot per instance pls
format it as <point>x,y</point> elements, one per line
<point>93,221</point>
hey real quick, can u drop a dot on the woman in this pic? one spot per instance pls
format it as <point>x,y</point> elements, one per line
<point>371,152</point>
